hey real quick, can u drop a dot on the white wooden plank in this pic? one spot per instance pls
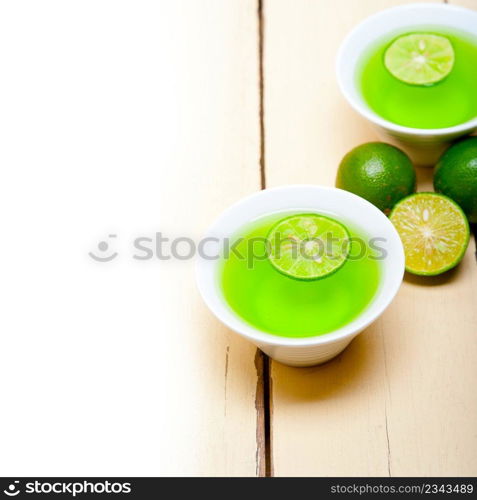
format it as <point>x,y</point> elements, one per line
<point>470,4</point>
<point>399,401</point>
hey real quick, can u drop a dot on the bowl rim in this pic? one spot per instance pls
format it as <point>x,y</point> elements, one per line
<point>370,115</point>
<point>349,330</point>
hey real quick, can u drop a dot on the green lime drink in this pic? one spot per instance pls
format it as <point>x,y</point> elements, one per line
<point>279,304</point>
<point>444,103</point>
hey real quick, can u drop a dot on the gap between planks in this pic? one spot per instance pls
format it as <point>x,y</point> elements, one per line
<point>263,403</point>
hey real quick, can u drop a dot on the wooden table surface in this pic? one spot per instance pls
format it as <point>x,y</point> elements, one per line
<point>400,400</point>
<point>243,96</point>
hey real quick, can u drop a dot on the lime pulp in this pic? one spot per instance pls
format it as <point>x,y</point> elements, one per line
<point>308,246</point>
<point>420,58</point>
<point>434,232</point>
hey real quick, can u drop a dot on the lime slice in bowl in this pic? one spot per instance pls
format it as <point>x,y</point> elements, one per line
<point>420,58</point>
<point>308,246</point>
<point>434,232</point>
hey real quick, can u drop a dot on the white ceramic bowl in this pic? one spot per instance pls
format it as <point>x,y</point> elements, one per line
<point>345,206</point>
<point>423,145</point>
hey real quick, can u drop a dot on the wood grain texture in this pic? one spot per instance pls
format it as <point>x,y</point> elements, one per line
<point>399,400</point>
<point>213,418</point>
<point>127,118</point>
<point>470,4</point>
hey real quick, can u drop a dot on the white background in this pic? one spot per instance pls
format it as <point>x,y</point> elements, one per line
<point>105,368</point>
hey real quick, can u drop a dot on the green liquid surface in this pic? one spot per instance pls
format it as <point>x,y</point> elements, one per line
<point>445,104</point>
<point>280,305</point>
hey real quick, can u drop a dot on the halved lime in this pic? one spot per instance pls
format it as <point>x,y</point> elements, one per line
<point>308,246</point>
<point>420,58</point>
<point>434,232</point>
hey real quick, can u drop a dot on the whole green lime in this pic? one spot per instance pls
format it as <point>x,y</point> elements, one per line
<point>378,172</point>
<point>456,176</point>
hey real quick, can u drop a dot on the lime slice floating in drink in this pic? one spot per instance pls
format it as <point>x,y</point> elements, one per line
<point>420,58</point>
<point>434,232</point>
<point>308,246</point>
